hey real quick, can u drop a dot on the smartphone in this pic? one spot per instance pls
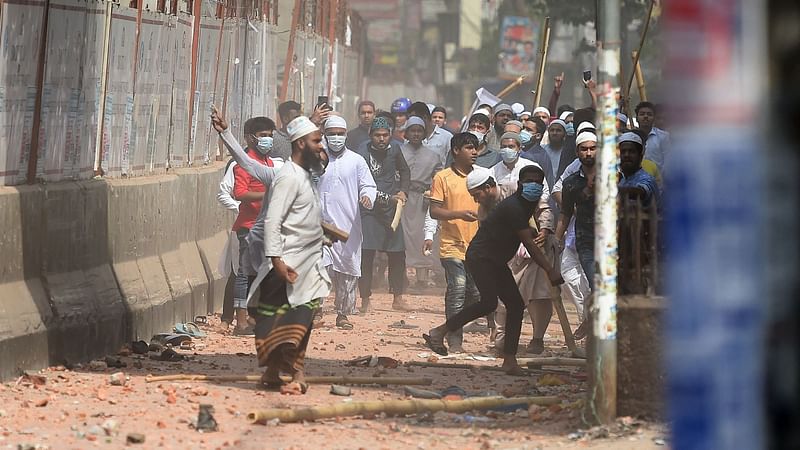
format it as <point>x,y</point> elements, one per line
<point>323,100</point>
<point>587,75</point>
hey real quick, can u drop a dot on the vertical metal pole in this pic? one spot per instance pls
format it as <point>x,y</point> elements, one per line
<point>287,68</point>
<point>603,392</point>
<point>37,114</point>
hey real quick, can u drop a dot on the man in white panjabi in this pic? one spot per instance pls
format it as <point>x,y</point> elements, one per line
<point>346,183</point>
<point>295,284</point>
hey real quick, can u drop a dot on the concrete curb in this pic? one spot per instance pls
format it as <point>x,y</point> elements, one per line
<point>91,265</point>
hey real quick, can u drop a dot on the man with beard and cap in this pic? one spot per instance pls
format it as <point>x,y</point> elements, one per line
<point>437,138</point>
<point>494,245</point>
<point>632,175</point>
<point>502,114</point>
<point>542,113</point>
<point>249,191</point>
<point>392,178</point>
<point>423,163</point>
<point>292,281</point>
<point>556,150</point>
<point>360,134</point>
<point>346,184</point>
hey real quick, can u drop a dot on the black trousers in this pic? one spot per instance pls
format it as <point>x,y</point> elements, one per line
<point>493,281</point>
<point>227,300</point>
<point>397,272</point>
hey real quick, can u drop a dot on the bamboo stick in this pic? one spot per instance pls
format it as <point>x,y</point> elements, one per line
<point>398,211</point>
<point>439,365</point>
<point>383,381</point>
<point>392,407</point>
<point>537,96</point>
<point>555,361</point>
<point>627,96</point>
<point>513,85</point>
<point>639,77</point>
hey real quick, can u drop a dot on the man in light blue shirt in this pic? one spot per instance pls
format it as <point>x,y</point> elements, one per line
<point>658,141</point>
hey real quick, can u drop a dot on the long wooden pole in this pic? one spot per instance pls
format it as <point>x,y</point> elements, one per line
<point>331,46</point>
<point>393,408</point>
<point>287,67</point>
<point>381,381</point>
<point>514,84</point>
<point>537,96</point>
<point>639,77</point>
<point>33,157</point>
<point>638,55</point>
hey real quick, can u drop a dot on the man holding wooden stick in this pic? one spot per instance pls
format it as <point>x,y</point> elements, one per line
<point>392,178</point>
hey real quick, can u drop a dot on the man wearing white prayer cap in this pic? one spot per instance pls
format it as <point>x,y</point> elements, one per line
<point>633,176</point>
<point>517,108</point>
<point>502,114</point>
<point>542,113</point>
<point>346,184</point>
<point>292,279</point>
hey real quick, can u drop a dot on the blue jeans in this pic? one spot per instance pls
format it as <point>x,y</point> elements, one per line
<point>461,290</point>
<point>242,283</point>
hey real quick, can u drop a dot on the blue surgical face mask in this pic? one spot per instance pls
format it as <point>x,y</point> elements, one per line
<point>525,136</point>
<point>509,154</point>
<point>264,144</point>
<point>570,129</point>
<point>532,192</point>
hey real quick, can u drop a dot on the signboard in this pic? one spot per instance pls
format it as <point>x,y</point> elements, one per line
<point>517,48</point>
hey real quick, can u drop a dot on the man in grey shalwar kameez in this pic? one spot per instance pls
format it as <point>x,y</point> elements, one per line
<point>423,163</point>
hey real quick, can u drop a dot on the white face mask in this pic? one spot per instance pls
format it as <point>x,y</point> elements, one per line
<point>509,154</point>
<point>336,143</point>
<point>264,144</point>
<point>478,135</point>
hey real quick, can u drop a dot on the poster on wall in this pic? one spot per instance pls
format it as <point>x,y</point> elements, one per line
<point>21,31</point>
<point>517,47</point>
<point>118,116</point>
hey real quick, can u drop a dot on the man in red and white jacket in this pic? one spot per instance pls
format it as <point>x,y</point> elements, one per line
<point>250,192</point>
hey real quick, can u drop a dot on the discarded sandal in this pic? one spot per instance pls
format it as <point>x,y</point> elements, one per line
<point>246,331</point>
<point>343,323</point>
<point>439,349</point>
<point>169,355</point>
<point>189,328</point>
<point>403,325</point>
<point>172,339</point>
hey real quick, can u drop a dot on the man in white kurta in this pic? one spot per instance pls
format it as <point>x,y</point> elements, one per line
<point>347,181</point>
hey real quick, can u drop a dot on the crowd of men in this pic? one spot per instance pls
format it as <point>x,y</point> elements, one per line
<point>504,208</point>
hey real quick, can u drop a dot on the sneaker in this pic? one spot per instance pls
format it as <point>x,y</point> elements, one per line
<point>536,346</point>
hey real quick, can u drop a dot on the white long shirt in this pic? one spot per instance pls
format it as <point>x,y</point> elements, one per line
<point>225,193</point>
<point>293,232</point>
<point>347,178</point>
<point>229,259</point>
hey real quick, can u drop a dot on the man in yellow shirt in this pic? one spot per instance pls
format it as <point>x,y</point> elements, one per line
<point>457,213</point>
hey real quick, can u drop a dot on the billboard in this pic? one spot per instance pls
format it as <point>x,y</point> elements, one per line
<point>517,48</point>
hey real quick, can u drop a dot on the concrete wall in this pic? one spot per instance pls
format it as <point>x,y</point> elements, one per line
<point>91,265</point>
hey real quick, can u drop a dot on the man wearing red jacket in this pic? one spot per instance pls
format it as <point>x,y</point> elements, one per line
<point>250,192</point>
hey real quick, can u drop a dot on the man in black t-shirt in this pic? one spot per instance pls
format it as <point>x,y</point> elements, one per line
<point>487,257</point>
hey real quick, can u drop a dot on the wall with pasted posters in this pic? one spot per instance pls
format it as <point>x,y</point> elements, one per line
<point>99,89</point>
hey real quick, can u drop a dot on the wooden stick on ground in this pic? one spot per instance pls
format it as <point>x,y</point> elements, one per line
<point>393,407</point>
<point>383,381</point>
<point>555,361</point>
<point>439,365</point>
